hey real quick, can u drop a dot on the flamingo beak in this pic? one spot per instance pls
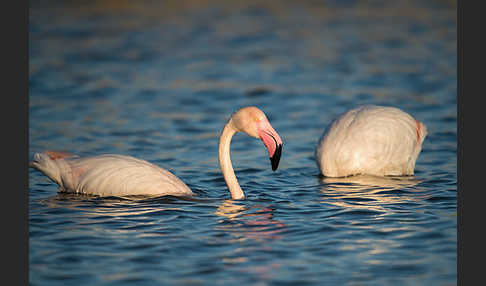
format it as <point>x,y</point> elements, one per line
<point>272,141</point>
<point>275,159</point>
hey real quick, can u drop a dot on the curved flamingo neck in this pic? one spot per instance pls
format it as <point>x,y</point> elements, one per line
<point>225,162</point>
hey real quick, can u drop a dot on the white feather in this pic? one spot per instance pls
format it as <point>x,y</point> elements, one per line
<point>110,175</point>
<point>373,140</point>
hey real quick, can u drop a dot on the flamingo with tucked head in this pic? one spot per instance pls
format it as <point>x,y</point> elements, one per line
<point>119,175</point>
<point>371,140</point>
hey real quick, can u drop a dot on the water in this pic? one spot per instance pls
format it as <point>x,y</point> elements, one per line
<point>158,82</point>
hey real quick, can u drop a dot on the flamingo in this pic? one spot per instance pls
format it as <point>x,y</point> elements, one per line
<point>119,175</point>
<point>371,140</point>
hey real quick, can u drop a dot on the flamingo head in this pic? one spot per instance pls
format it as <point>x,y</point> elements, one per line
<point>253,121</point>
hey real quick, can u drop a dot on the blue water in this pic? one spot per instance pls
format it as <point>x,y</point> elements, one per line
<point>159,80</point>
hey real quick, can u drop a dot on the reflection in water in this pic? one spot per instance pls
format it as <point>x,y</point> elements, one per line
<point>123,206</point>
<point>369,192</point>
<point>230,209</point>
<point>110,206</point>
<point>250,224</point>
<point>243,222</point>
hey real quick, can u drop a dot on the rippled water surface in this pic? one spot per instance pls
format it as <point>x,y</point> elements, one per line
<point>159,80</point>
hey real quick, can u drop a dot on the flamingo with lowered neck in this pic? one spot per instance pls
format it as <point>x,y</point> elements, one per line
<point>120,175</point>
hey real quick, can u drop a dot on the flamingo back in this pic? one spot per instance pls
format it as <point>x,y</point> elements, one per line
<point>110,175</point>
<point>374,140</point>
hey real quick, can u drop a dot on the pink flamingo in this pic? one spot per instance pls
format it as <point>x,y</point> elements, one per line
<point>117,175</point>
<point>372,140</point>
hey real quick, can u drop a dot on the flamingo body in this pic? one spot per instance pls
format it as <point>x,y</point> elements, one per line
<point>372,140</point>
<point>109,175</point>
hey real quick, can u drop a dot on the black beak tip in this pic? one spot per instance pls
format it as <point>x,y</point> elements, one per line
<point>275,159</point>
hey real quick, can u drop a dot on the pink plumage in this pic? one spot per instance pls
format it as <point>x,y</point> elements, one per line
<point>372,140</point>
